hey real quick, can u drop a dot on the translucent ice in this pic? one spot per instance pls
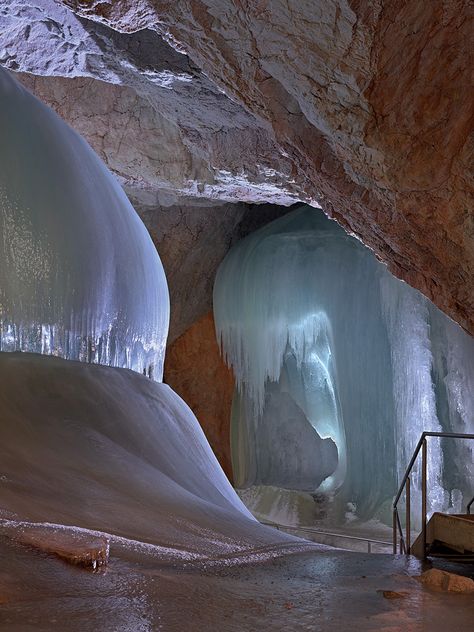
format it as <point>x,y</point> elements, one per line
<point>79,275</point>
<point>433,383</point>
<point>305,311</point>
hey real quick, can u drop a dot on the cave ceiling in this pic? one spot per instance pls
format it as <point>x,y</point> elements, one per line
<point>206,107</point>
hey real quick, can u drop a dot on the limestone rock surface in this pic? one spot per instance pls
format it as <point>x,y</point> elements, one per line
<point>195,370</point>
<point>156,120</point>
<point>448,582</point>
<point>370,102</point>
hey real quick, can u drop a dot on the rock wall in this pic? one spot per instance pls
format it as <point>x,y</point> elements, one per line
<point>196,371</point>
<point>370,102</point>
<point>157,121</point>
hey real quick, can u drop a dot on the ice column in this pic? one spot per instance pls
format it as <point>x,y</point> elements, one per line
<point>297,308</point>
<point>79,275</point>
<point>433,362</point>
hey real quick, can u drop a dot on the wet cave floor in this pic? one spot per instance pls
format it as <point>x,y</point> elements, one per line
<point>323,590</point>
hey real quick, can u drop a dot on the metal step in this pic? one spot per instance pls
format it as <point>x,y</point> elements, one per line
<point>447,535</point>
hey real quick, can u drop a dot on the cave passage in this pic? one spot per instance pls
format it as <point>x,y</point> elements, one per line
<point>339,367</point>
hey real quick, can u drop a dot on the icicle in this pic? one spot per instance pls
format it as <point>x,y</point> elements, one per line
<point>304,311</point>
<point>79,275</point>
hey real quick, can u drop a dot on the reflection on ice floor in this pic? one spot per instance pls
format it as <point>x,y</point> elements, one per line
<point>324,591</point>
<point>106,449</point>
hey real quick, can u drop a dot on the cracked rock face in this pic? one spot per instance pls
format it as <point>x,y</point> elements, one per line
<point>369,103</point>
<point>157,121</point>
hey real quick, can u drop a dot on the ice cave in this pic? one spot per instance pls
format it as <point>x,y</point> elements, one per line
<point>236,292</point>
<point>340,367</point>
<point>66,293</point>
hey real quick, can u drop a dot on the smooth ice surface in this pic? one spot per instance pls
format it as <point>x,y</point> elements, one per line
<point>92,447</point>
<point>107,449</point>
<point>302,308</point>
<point>80,277</point>
<point>323,591</point>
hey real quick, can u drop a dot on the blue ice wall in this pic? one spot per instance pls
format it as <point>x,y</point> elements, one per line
<point>310,320</point>
<point>79,275</point>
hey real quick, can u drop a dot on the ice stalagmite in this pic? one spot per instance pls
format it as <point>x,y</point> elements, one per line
<point>327,346</point>
<point>79,275</point>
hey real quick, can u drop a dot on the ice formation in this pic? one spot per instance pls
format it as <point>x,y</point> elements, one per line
<point>87,446</point>
<point>306,314</point>
<point>80,277</point>
<point>102,448</point>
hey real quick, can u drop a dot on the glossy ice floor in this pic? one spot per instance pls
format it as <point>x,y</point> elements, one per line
<point>323,590</point>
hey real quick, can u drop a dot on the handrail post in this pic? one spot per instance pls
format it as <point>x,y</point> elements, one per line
<point>407,518</point>
<point>468,508</point>
<point>405,545</point>
<point>424,466</point>
<point>394,531</point>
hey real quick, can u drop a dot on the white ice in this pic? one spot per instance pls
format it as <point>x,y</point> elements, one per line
<point>80,277</point>
<point>106,449</point>
<point>303,309</point>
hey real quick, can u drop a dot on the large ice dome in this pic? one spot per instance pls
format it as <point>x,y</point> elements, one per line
<point>80,277</point>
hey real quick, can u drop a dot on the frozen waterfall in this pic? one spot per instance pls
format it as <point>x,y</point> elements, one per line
<point>326,344</point>
<point>80,277</point>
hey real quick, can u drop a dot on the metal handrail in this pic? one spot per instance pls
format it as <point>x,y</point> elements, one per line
<point>285,527</point>
<point>468,508</point>
<point>405,546</point>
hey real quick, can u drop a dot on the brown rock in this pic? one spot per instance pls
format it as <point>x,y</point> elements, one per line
<point>371,103</point>
<point>77,547</point>
<point>196,371</point>
<point>448,582</point>
<point>393,594</point>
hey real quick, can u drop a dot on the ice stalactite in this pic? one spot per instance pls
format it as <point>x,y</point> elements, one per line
<point>80,277</point>
<point>322,338</point>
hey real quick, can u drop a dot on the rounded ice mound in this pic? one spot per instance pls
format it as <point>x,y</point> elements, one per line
<point>80,277</point>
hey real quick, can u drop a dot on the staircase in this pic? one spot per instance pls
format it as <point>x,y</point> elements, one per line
<point>448,536</point>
